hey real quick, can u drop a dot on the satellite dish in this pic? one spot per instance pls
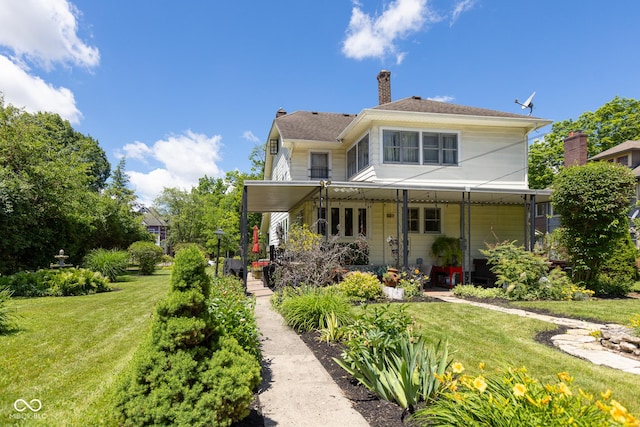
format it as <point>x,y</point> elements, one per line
<point>528,103</point>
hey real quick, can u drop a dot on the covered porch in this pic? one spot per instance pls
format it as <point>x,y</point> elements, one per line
<point>474,215</point>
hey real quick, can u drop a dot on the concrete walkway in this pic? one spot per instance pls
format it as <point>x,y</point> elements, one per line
<point>296,390</point>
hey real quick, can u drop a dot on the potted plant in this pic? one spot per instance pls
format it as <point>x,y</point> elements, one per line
<point>390,278</point>
<point>447,250</point>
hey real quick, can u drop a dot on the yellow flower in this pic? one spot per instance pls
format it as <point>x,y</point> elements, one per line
<point>457,368</point>
<point>480,384</point>
<point>546,400</point>
<point>481,366</point>
<point>564,376</point>
<point>618,412</point>
<point>453,386</point>
<point>564,389</point>
<point>606,395</point>
<point>416,271</point>
<point>519,390</point>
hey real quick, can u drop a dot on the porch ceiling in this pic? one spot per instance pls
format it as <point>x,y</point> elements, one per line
<point>282,196</point>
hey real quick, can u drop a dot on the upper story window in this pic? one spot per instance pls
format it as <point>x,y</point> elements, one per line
<point>358,156</point>
<point>440,148</point>
<point>401,146</point>
<point>429,148</point>
<point>319,166</point>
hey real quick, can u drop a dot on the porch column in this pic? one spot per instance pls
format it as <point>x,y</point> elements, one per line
<point>532,221</point>
<point>405,229</point>
<point>465,236</point>
<point>243,236</point>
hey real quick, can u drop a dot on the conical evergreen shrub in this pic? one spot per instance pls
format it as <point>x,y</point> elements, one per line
<point>185,374</point>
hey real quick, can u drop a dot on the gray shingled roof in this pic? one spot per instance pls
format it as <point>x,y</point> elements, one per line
<point>313,126</point>
<point>419,105</point>
<point>625,146</point>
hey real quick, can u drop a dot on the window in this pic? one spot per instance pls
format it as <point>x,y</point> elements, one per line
<point>623,160</point>
<point>401,146</point>
<point>405,146</point>
<point>335,221</point>
<point>362,221</point>
<point>541,209</point>
<point>358,156</point>
<point>440,148</point>
<point>432,222</point>
<point>414,220</point>
<point>348,222</point>
<point>319,166</point>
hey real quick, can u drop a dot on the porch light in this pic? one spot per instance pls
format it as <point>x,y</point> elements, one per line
<point>273,147</point>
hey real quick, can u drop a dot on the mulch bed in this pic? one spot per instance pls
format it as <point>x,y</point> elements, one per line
<point>377,412</point>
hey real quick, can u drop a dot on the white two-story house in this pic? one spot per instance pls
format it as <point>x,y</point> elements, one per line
<point>400,174</point>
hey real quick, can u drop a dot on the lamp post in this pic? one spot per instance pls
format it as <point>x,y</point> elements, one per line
<point>218,233</point>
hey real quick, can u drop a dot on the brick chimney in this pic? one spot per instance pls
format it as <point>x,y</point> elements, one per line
<point>280,113</point>
<point>575,149</point>
<point>384,87</point>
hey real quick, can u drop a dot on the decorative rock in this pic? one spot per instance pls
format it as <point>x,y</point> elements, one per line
<point>627,347</point>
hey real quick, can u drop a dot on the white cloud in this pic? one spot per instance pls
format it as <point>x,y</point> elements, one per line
<point>376,36</point>
<point>249,136</point>
<point>40,34</point>
<point>459,8</point>
<point>44,31</point>
<point>23,90</point>
<point>186,158</point>
<point>442,98</point>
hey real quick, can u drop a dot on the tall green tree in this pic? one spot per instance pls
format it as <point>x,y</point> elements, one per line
<point>593,202</point>
<point>615,122</point>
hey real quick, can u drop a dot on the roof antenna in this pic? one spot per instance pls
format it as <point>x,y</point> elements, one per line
<point>528,103</point>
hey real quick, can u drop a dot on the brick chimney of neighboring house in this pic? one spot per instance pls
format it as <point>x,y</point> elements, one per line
<point>384,87</point>
<point>280,113</point>
<point>575,149</point>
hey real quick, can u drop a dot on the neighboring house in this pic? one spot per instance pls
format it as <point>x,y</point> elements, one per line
<point>575,148</point>
<point>155,225</point>
<point>405,171</point>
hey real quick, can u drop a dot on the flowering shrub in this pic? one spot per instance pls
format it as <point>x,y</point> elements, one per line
<point>412,283</point>
<point>516,399</point>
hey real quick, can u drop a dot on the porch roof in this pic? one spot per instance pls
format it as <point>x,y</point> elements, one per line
<point>282,196</point>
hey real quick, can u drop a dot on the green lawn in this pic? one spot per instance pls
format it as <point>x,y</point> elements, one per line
<point>498,339</point>
<point>605,310</point>
<point>69,350</point>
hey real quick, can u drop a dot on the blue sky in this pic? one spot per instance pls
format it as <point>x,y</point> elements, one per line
<point>184,89</point>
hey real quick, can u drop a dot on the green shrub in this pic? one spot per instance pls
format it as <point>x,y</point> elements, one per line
<point>185,373</point>
<point>75,281</point>
<point>233,313</point>
<point>361,286</point>
<point>515,399</point>
<point>619,272</point>
<point>146,255</point>
<point>306,308</point>
<point>26,284</point>
<point>526,276</point>
<point>55,282</point>
<point>111,263</point>
<point>478,292</point>
<point>7,317</point>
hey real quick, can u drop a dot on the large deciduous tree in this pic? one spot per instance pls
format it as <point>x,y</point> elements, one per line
<point>593,201</point>
<point>615,122</point>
